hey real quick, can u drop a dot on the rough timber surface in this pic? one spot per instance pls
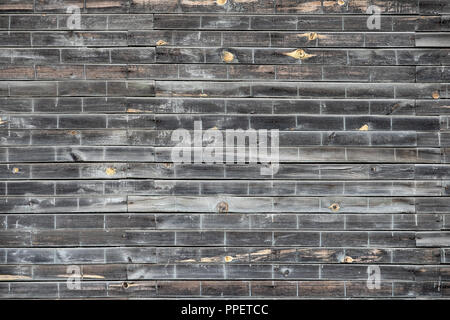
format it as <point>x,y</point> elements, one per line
<point>87,181</point>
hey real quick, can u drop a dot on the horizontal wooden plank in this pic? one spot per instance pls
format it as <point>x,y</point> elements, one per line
<point>220,122</point>
<point>433,239</point>
<point>215,54</point>
<point>181,221</point>
<point>187,105</point>
<point>321,22</point>
<point>128,237</point>
<point>217,255</point>
<point>220,187</point>
<point>30,154</point>
<point>242,288</point>
<point>269,204</point>
<point>231,6</point>
<point>230,89</point>
<point>432,40</point>
<point>231,171</point>
<point>298,271</point>
<point>136,137</point>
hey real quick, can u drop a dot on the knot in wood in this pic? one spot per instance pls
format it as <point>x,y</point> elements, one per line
<point>161,43</point>
<point>435,95</point>
<point>334,207</point>
<point>110,171</point>
<point>222,207</point>
<point>299,54</point>
<point>364,128</point>
<point>227,56</point>
<point>312,36</point>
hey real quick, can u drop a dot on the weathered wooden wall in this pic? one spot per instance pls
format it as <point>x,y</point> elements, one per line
<point>87,179</point>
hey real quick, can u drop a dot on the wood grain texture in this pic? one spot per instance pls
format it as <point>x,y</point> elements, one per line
<point>88,183</point>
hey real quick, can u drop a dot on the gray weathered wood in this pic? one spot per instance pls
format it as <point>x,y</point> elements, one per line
<point>87,177</point>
